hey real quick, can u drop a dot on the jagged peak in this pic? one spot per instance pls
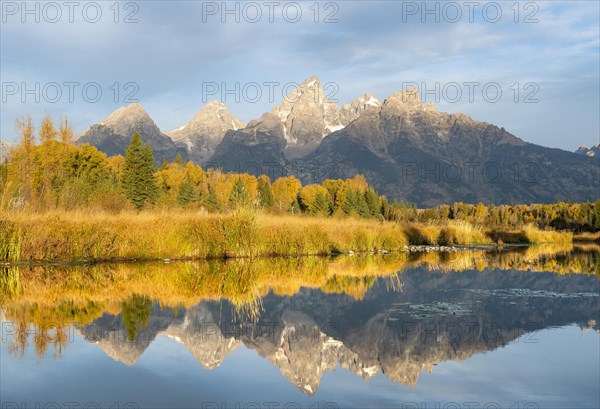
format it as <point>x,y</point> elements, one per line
<point>371,99</point>
<point>363,104</point>
<point>133,107</point>
<point>309,88</point>
<point>215,102</point>
<point>592,151</point>
<point>214,114</point>
<point>365,100</point>
<point>133,111</point>
<point>312,80</point>
<point>409,96</point>
<point>214,105</point>
<point>306,114</point>
<point>210,108</point>
<point>589,151</point>
<point>407,100</point>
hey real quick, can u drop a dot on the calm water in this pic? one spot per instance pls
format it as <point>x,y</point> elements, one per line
<point>427,334</point>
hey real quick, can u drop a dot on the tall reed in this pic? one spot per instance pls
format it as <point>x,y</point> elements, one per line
<point>76,236</point>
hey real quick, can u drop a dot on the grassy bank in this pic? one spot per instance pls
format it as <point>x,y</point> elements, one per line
<point>77,236</point>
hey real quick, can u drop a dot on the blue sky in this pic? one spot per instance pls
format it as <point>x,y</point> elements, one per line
<point>545,59</point>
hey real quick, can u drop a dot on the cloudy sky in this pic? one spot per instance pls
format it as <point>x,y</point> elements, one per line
<point>532,68</point>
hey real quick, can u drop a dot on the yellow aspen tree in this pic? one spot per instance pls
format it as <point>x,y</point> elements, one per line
<point>309,194</point>
<point>285,191</point>
<point>25,130</point>
<point>47,130</point>
<point>65,130</point>
<point>22,156</point>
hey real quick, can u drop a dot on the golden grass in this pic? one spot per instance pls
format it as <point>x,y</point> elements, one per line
<point>537,236</point>
<point>529,234</point>
<point>78,236</point>
<point>462,233</point>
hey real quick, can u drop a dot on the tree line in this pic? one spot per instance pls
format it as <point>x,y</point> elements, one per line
<point>576,217</point>
<point>57,174</point>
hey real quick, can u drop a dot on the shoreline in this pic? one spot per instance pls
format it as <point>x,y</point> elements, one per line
<point>408,250</point>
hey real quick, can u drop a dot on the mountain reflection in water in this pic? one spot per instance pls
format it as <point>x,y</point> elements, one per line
<point>397,314</point>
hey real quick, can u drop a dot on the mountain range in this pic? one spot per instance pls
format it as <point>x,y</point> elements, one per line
<point>405,148</point>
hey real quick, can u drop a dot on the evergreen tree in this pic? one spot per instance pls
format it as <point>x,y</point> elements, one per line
<point>187,193</point>
<point>321,204</point>
<point>265,195</point>
<point>363,209</point>
<point>239,195</point>
<point>350,204</point>
<point>355,203</point>
<point>139,182</point>
<point>384,206</point>
<point>372,201</point>
<point>209,200</point>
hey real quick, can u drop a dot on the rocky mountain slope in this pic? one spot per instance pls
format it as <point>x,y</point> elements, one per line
<point>257,149</point>
<point>410,151</point>
<point>593,152</point>
<point>307,117</point>
<point>113,135</point>
<point>360,105</point>
<point>205,130</point>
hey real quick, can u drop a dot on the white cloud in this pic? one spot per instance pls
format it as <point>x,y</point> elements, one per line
<point>171,51</point>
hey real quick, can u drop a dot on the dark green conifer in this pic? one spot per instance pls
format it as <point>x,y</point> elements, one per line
<point>138,182</point>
